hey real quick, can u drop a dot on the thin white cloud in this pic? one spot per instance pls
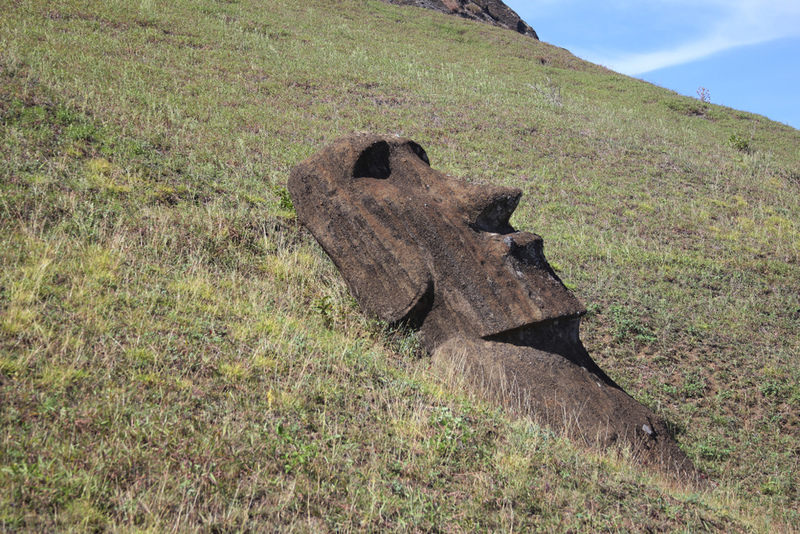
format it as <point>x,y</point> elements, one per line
<point>740,23</point>
<point>634,64</point>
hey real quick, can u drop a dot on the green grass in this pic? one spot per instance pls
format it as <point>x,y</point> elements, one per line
<point>177,353</point>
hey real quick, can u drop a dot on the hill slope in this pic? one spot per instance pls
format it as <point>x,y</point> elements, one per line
<point>176,353</point>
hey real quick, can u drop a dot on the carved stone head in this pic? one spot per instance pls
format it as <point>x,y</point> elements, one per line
<point>416,245</point>
<point>419,246</point>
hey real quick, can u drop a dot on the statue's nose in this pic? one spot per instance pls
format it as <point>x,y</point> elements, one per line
<point>489,207</point>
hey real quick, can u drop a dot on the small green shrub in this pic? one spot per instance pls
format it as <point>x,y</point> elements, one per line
<point>284,199</point>
<point>740,143</point>
<point>628,327</point>
<point>323,307</point>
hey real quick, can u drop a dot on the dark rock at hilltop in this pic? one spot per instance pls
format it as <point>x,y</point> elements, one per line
<point>494,12</point>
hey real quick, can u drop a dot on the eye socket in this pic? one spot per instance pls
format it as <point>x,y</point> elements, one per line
<point>373,162</point>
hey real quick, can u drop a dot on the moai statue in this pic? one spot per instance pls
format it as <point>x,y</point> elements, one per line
<point>418,247</point>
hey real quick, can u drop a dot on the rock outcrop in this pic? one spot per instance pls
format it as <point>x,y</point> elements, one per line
<point>419,247</point>
<point>494,12</point>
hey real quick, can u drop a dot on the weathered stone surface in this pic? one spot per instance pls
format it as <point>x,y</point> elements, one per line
<point>565,390</point>
<point>494,12</point>
<point>417,246</point>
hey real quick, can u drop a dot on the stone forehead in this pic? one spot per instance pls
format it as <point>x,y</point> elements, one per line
<point>372,156</point>
<point>364,166</point>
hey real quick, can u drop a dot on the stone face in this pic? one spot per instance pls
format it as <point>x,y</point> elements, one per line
<point>494,12</point>
<point>438,253</point>
<point>416,245</point>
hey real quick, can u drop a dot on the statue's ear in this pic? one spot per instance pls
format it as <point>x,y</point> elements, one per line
<point>344,197</point>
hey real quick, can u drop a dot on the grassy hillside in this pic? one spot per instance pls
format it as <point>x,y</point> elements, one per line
<point>177,354</point>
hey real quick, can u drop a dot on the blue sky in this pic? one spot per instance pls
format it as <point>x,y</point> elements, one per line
<point>746,53</point>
